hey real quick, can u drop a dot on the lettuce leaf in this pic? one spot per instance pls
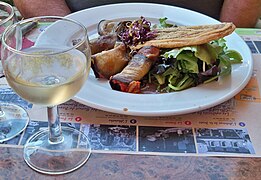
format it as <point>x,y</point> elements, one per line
<point>190,66</point>
<point>163,23</point>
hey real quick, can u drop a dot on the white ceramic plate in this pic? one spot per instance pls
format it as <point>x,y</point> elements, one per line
<point>98,94</point>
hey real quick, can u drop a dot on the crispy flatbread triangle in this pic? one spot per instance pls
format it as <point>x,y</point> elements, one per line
<point>188,35</point>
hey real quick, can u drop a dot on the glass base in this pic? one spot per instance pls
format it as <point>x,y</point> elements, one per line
<point>13,120</point>
<point>57,158</point>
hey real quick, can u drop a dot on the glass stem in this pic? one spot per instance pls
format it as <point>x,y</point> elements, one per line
<point>54,124</point>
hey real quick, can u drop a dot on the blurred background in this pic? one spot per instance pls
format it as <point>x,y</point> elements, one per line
<point>8,1</point>
<point>258,25</point>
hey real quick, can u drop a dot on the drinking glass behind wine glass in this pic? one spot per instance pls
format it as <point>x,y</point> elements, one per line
<point>49,71</point>
<point>13,118</point>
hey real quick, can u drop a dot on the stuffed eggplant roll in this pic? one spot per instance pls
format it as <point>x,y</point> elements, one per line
<point>128,80</point>
<point>107,63</point>
<point>103,43</point>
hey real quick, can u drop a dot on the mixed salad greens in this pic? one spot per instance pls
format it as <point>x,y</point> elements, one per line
<point>185,67</point>
<point>181,68</point>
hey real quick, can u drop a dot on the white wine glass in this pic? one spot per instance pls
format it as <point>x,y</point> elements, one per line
<point>48,72</point>
<point>13,118</point>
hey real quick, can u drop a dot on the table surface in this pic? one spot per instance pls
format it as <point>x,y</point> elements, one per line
<point>127,166</point>
<point>116,166</point>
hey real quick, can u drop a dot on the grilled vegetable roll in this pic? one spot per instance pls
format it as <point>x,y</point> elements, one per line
<point>128,80</point>
<point>107,63</point>
<point>103,43</point>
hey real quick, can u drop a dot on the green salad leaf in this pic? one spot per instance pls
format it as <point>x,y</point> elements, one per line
<point>163,23</point>
<point>185,67</point>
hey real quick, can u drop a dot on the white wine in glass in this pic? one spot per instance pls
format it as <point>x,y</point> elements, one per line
<point>48,72</point>
<point>13,118</point>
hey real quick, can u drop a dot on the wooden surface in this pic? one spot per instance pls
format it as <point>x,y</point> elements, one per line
<point>112,166</point>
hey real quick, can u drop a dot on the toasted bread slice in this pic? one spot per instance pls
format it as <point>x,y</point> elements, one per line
<point>188,35</point>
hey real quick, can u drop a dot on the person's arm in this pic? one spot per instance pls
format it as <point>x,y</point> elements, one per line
<point>31,8</point>
<point>243,13</point>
